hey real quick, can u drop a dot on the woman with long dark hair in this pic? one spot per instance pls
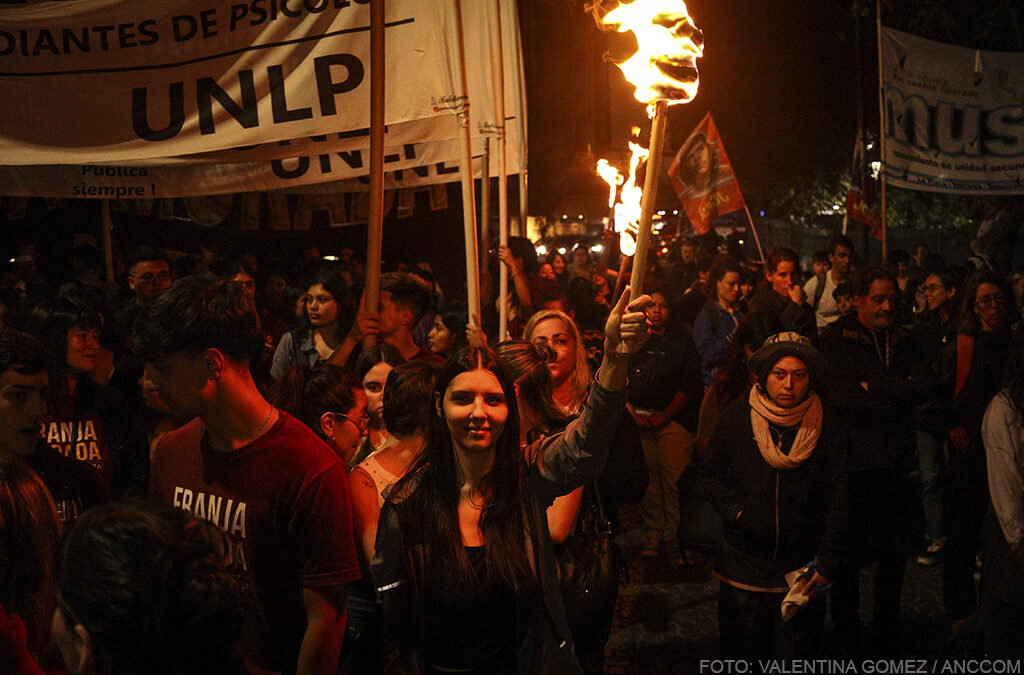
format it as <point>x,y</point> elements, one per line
<point>84,419</point>
<point>462,587</point>
<point>559,266</point>
<point>329,314</point>
<point>372,368</point>
<point>448,334</point>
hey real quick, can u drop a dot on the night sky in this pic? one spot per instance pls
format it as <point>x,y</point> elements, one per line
<point>778,78</point>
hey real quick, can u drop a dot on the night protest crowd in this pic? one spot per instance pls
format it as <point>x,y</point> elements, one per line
<point>203,469</point>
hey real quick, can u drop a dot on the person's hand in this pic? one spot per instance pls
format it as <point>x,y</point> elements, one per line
<point>796,294</point>
<point>475,334</point>
<point>514,264</point>
<point>627,327</point>
<point>366,323</point>
<point>960,439</point>
<point>642,421</point>
<point>813,584</point>
<point>657,421</point>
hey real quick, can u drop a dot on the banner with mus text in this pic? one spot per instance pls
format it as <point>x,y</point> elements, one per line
<point>954,117</point>
<point>259,95</point>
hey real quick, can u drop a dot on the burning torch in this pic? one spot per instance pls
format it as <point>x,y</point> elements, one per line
<point>664,72</point>
<point>625,204</point>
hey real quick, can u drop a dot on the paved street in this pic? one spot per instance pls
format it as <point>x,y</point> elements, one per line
<point>664,624</point>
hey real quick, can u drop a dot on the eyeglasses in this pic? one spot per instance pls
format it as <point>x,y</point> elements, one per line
<point>361,423</point>
<point>932,288</point>
<point>149,277</point>
<point>989,301</point>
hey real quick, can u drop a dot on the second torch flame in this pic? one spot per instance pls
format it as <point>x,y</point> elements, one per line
<point>625,204</point>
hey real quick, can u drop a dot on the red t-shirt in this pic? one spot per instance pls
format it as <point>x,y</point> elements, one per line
<point>428,356</point>
<point>284,502</point>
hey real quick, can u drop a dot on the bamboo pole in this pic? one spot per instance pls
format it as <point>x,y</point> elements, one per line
<point>881,128</point>
<point>485,217</point>
<point>375,225</point>
<point>502,173</point>
<point>108,239</point>
<point>643,237</point>
<point>757,239</point>
<point>466,170</point>
<point>521,118</point>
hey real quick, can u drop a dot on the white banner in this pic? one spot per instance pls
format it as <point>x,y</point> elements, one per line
<point>207,101</point>
<point>406,165</point>
<point>954,117</point>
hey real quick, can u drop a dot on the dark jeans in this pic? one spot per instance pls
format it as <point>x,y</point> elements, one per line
<point>362,650</point>
<point>878,503</point>
<point>1002,604</point>
<point>967,503</point>
<point>931,460</point>
<point>750,626</point>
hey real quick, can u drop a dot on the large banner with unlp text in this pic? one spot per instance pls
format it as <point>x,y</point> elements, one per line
<point>202,97</point>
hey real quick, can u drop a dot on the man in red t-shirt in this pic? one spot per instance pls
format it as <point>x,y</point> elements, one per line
<point>278,491</point>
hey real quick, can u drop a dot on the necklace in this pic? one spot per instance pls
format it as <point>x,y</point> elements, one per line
<point>884,357</point>
<point>262,428</point>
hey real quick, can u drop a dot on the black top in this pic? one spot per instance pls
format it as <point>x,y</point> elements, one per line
<point>983,382</point>
<point>793,317</point>
<point>786,518</point>
<point>67,478</point>
<point>667,364</point>
<point>475,630</point>
<point>877,423</point>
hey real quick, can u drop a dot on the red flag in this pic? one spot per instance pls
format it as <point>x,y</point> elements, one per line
<point>860,198</point>
<point>703,178</point>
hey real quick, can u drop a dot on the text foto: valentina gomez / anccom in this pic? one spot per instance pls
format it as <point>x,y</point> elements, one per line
<point>867,666</point>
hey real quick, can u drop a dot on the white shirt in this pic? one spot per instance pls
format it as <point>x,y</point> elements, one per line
<point>1003,434</point>
<point>827,310</point>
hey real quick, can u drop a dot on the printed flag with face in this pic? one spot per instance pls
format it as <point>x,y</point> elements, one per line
<point>860,198</point>
<point>703,177</point>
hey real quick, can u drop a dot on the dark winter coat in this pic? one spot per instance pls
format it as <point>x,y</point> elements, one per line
<point>786,517</point>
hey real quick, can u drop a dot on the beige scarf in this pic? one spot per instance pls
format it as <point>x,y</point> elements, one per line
<point>807,414</point>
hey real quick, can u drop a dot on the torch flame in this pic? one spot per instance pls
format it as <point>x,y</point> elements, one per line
<point>627,214</point>
<point>665,64</point>
<point>609,174</point>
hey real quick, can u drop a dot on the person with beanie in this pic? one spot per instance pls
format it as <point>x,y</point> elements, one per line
<point>774,472</point>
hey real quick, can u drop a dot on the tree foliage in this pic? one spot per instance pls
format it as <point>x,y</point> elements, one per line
<point>980,24</point>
